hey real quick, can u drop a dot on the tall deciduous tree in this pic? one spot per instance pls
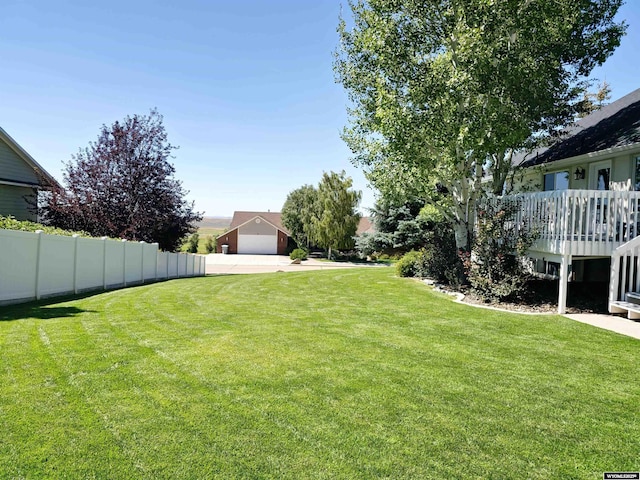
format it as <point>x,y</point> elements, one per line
<point>337,223</point>
<point>123,186</point>
<point>448,90</point>
<point>298,212</point>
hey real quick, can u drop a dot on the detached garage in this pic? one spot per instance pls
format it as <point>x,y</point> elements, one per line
<point>255,233</point>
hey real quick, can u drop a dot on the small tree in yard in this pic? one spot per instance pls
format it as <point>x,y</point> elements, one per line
<point>210,244</point>
<point>298,212</point>
<point>123,186</point>
<point>337,223</point>
<point>192,246</point>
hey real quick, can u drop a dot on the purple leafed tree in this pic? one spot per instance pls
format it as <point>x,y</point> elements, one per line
<point>123,186</point>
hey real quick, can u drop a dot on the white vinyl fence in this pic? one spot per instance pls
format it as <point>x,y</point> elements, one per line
<point>36,265</point>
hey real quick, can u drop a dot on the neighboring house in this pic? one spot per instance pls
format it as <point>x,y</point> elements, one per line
<point>20,179</point>
<point>587,206</point>
<point>365,226</point>
<point>258,233</point>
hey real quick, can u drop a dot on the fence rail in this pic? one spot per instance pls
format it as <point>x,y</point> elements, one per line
<point>580,222</point>
<point>625,272</point>
<point>37,265</point>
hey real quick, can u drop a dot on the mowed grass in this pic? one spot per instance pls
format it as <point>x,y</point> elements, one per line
<point>331,374</point>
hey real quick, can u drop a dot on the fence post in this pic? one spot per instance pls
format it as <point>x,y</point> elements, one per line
<point>124,262</point>
<point>75,263</point>
<point>156,277</point>
<point>38,254</point>
<point>104,263</point>
<point>142,242</point>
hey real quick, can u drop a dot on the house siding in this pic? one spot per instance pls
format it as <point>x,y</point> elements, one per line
<point>283,241</point>
<point>622,172</point>
<point>257,227</point>
<point>12,202</point>
<point>13,168</point>
<point>229,238</point>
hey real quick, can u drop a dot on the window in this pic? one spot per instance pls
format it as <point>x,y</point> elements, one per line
<point>556,181</point>
<point>637,172</point>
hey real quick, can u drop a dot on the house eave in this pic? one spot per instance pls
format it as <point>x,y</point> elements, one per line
<point>28,159</point>
<point>13,183</point>
<point>589,157</point>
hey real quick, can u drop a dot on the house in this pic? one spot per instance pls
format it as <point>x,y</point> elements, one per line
<point>20,179</point>
<point>584,202</point>
<point>365,225</point>
<point>258,233</point>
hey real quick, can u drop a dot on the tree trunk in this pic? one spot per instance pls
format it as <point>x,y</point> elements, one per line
<point>463,235</point>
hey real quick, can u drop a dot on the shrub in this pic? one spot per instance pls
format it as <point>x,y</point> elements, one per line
<point>10,223</point>
<point>496,269</point>
<point>298,254</point>
<point>210,244</point>
<point>442,261</point>
<point>412,264</point>
<point>192,246</point>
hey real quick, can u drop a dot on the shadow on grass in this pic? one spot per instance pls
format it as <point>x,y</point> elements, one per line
<point>38,311</point>
<point>45,309</point>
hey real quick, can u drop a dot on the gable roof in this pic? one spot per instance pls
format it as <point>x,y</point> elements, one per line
<point>47,179</point>
<point>614,125</point>
<point>240,218</point>
<point>365,226</point>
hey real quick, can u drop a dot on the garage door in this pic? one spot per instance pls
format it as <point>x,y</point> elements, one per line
<point>258,244</point>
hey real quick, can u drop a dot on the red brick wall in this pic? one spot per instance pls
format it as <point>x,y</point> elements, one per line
<point>282,243</point>
<point>229,238</point>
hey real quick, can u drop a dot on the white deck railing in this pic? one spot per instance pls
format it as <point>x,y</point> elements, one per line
<point>625,272</point>
<point>580,222</point>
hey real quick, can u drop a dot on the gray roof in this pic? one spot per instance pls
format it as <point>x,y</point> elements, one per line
<point>614,125</point>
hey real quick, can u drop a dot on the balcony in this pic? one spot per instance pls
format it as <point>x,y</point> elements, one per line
<point>579,222</point>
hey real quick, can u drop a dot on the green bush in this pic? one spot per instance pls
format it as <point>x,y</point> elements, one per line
<point>412,264</point>
<point>210,244</point>
<point>496,270</point>
<point>192,246</point>
<point>10,223</point>
<point>298,254</point>
<point>442,262</point>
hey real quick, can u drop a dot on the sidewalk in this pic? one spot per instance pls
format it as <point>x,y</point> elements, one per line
<point>613,323</point>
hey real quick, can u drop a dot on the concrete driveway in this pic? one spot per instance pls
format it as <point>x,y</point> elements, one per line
<point>218,263</point>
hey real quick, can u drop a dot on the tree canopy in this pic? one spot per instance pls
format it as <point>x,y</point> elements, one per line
<point>123,186</point>
<point>325,216</point>
<point>298,212</point>
<point>446,91</point>
<point>337,222</point>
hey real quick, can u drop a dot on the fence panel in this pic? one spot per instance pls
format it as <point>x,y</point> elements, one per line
<point>182,265</point>
<point>18,262</point>
<point>114,263</point>
<point>163,265</point>
<point>173,265</point>
<point>89,264</point>
<point>133,262</point>
<point>149,261</point>
<point>35,265</point>
<point>56,265</point>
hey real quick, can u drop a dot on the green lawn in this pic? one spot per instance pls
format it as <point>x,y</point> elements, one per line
<point>329,374</point>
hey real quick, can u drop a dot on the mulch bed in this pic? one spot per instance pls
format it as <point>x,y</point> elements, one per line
<point>541,296</point>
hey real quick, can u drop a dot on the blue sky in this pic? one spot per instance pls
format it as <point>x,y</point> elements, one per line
<point>246,87</point>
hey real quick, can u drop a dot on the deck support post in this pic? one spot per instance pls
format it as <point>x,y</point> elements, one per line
<point>564,283</point>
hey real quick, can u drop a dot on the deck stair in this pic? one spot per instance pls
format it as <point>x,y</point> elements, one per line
<point>630,306</point>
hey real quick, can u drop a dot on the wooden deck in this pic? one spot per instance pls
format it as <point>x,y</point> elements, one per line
<point>580,222</point>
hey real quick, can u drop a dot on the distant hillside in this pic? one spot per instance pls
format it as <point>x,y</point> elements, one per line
<point>215,222</point>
